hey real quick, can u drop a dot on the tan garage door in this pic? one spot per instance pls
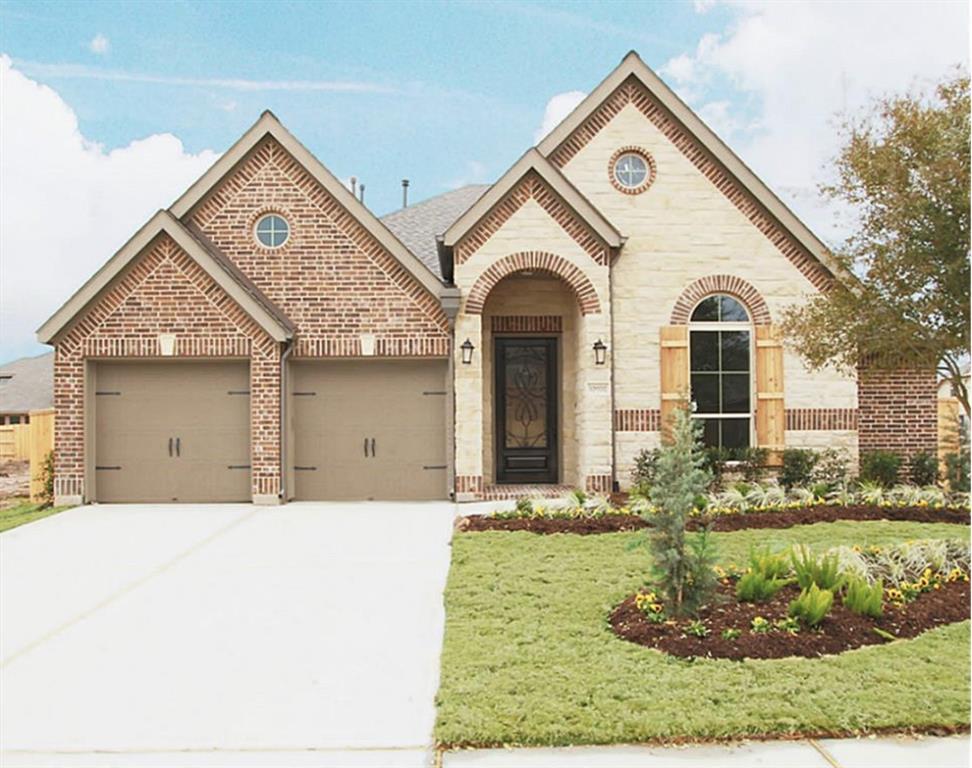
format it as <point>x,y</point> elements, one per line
<point>172,431</point>
<point>369,429</point>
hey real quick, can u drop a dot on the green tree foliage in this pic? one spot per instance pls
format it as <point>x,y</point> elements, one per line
<point>682,564</point>
<point>904,171</point>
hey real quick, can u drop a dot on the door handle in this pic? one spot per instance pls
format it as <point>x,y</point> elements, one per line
<point>178,446</point>
<point>366,447</point>
<point>170,447</point>
<point>373,448</point>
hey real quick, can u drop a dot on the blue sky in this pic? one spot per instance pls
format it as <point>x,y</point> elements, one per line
<point>447,91</point>
<point>108,111</point>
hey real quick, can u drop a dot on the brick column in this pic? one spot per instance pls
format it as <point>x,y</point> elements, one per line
<point>69,399</point>
<point>265,423</point>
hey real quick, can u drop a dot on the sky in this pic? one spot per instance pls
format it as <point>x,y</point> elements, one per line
<point>109,111</point>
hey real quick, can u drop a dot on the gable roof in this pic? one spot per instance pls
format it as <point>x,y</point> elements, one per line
<point>632,66</point>
<point>29,384</point>
<point>218,267</point>
<point>532,160</point>
<point>418,225</point>
<point>269,125</point>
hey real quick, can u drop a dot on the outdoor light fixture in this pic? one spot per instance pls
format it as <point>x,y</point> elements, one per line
<point>600,351</point>
<point>467,350</point>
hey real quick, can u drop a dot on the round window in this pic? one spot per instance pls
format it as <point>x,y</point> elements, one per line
<point>272,231</point>
<point>631,170</point>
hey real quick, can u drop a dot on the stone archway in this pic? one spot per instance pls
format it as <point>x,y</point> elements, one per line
<point>728,284</point>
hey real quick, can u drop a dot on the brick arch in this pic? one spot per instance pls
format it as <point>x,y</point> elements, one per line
<point>728,284</point>
<point>541,261</point>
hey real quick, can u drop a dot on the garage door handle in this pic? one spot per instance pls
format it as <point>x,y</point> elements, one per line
<point>366,447</point>
<point>178,446</point>
<point>372,447</point>
<point>170,447</point>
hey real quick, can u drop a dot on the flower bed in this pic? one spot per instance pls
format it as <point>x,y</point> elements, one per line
<point>797,604</point>
<point>765,630</point>
<point>581,521</point>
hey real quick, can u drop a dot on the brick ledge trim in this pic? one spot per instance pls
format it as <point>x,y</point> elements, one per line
<point>728,284</point>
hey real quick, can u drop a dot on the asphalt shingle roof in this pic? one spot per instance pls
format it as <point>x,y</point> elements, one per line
<point>417,225</point>
<point>30,386</point>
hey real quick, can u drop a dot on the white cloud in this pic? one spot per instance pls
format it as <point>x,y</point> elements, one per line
<point>67,204</point>
<point>83,72</point>
<point>788,68</point>
<point>99,44</point>
<point>557,109</point>
<point>475,173</point>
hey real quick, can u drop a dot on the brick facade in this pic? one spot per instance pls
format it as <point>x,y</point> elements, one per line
<point>898,410</point>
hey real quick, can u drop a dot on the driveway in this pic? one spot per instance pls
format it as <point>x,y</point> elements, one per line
<point>307,634</point>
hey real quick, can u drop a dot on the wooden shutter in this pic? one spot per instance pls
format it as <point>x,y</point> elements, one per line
<point>770,413</point>
<point>674,366</point>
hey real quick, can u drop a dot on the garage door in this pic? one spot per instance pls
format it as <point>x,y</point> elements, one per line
<point>369,429</point>
<point>172,431</point>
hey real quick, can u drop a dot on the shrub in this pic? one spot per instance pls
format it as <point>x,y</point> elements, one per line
<point>772,566</point>
<point>714,461</point>
<point>923,469</point>
<point>797,470</point>
<point>645,466</point>
<point>863,598</point>
<point>752,462</point>
<point>812,605</point>
<point>957,471</point>
<point>824,572</point>
<point>524,506</point>
<point>880,467</point>
<point>831,469</point>
<point>756,587</point>
<point>682,570</point>
<point>47,480</point>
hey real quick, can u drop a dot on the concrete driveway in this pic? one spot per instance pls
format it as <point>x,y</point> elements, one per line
<point>307,634</point>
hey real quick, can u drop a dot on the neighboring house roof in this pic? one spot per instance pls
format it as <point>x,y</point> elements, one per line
<point>30,386</point>
<point>534,161</point>
<point>418,225</point>
<point>216,266</point>
<point>269,125</point>
<point>632,66</point>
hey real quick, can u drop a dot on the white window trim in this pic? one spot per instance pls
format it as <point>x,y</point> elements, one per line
<point>718,325</point>
<point>256,230</point>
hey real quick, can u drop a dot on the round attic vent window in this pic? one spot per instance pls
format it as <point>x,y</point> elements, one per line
<point>272,230</point>
<point>630,170</point>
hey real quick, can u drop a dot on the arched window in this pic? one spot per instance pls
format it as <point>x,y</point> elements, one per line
<point>720,353</point>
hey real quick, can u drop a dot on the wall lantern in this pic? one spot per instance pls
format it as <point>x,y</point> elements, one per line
<point>467,350</point>
<point>600,352</point>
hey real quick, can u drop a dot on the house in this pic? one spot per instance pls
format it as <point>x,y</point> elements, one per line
<point>268,338</point>
<point>26,385</point>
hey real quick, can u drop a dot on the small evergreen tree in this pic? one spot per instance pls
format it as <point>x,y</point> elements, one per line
<point>682,565</point>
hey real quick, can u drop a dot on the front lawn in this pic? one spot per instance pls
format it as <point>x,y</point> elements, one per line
<point>24,511</point>
<point>529,657</point>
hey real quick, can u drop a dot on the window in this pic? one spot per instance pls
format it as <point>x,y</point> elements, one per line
<point>13,419</point>
<point>631,170</point>
<point>720,354</point>
<point>272,231</point>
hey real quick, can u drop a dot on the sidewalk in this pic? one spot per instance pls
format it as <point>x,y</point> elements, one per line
<point>887,752</point>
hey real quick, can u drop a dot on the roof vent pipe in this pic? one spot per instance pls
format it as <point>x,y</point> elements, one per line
<point>361,193</point>
<point>404,193</point>
<point>354,186</point>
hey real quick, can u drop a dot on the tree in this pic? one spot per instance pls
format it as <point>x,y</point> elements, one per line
<point>682,566</point>
<point>904,171</point>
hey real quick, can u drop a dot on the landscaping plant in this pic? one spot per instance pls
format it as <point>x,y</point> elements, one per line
<point>824,572</point>
<point>756,587</point>
<point>923,469</point>
<point>831,469</point>
<point>812,605</point>
<point>880,467</point>
<point>682,565</point>
<point>863,598</point>
<point>643,473</point>
<point>752,462</point>
<point>797,469</point>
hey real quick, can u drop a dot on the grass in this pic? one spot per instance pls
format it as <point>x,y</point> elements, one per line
<point>24,511</point>
<point>529,657</point>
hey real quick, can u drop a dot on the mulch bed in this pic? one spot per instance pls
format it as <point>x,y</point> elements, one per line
<point>841,630</point>
<point>782,519</point>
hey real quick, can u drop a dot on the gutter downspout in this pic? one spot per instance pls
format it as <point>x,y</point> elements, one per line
<point>615,485</point>
<point>288,349</point>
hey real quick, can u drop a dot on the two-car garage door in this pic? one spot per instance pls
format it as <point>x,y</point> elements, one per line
<point>180,431</point>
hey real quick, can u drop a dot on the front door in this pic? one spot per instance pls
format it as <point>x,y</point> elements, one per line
<point>526,410</point>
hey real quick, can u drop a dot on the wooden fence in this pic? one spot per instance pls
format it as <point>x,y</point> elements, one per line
<point>15,442</point>
<point>41,443</point>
